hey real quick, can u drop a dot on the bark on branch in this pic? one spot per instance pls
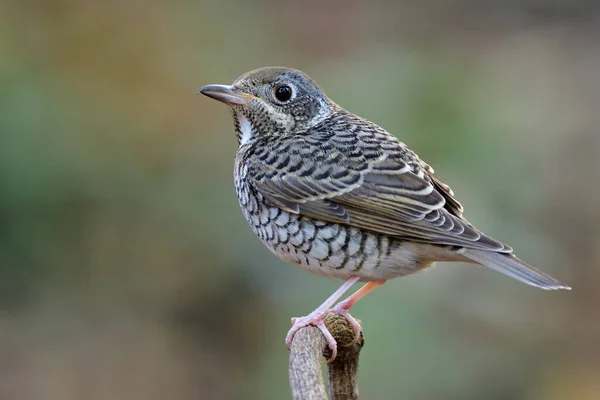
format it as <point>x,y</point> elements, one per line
<point>306,358</point>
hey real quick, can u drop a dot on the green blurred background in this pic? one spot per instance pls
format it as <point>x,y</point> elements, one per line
<point>128,272</point>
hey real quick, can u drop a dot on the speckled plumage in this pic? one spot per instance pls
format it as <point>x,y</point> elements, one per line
<point>319,236</point>
<point>340,196</point>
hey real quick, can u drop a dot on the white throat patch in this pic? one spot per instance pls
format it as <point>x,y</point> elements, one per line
<point>245,129</point>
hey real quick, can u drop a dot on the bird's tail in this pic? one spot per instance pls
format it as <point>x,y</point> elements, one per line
<point>515,268</point>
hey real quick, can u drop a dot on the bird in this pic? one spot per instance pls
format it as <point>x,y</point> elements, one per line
<point>341,197</point>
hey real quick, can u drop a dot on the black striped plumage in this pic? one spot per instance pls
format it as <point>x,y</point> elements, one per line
<point>339,195</point>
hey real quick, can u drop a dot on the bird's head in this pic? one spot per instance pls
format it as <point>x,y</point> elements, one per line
<point>272,101</point>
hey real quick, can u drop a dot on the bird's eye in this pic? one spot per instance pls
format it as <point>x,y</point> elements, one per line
<point>283,93</point>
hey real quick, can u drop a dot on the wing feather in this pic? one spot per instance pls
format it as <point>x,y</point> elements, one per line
<point>375,183</point>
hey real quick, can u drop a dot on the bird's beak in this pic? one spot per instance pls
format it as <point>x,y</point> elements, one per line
<point>226,94</point>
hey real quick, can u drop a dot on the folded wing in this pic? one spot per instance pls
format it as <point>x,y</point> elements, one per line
<point>364,177</point>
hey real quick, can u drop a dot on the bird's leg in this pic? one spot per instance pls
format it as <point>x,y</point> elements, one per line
<point>343,306</point>
<point>315,318</point>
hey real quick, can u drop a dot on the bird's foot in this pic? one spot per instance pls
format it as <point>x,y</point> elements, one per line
<point>342,309</point>
<point>315,318</point>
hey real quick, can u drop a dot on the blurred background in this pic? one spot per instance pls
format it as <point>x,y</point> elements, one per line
<point>128,272</point>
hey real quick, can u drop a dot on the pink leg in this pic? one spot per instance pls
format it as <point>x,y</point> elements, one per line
<point>343,306</point>
<point>315,318</point>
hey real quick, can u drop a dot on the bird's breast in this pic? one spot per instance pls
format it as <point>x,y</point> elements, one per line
<point>321,247</point>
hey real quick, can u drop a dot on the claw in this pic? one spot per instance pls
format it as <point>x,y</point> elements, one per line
<point>356,327</point>
<point>315,319</point>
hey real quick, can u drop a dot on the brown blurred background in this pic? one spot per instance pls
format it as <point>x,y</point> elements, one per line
<point>128,272</point>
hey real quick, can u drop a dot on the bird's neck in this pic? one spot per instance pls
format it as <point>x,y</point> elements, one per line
<point>244,128</point>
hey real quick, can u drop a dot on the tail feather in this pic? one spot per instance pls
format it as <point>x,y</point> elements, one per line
<point>515,268</point>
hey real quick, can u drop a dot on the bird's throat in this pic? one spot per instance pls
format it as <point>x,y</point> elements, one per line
<point>245,129</point>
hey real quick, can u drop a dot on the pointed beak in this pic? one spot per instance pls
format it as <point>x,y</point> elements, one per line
<point>226,94</point>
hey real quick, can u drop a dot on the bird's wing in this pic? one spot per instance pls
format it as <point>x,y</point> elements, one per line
<point>358,174</point>
<point>452,204</point>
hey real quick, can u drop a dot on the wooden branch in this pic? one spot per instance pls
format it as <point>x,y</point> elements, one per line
<point>306,352</point>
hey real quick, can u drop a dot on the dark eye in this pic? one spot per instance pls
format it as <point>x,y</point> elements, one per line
<point>283,93</point>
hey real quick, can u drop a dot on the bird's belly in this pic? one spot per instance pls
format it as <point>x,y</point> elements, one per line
<point>331,249</point>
